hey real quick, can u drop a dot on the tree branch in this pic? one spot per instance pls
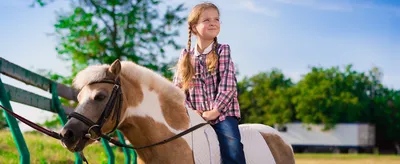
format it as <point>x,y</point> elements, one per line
<point>97,8</point>
<point>114,33</point>
<point>126,29</point>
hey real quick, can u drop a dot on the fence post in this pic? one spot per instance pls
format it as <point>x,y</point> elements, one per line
<point>13,125</point>
<point>110,153</point>
<point>134,157</point>
<point>56,105</point>
<point>127,152</point>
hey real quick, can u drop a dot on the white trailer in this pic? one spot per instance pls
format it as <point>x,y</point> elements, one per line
<point>344,137</point>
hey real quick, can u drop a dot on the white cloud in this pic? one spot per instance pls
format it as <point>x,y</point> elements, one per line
<point>250,6</point>
<point>320,5</point>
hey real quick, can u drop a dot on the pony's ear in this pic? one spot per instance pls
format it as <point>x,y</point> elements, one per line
<point>115,67</point>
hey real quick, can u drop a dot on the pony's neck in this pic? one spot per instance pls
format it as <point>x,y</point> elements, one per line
<point>142,131</point>
<point>150,116</point>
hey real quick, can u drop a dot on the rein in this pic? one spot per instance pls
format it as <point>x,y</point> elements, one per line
<point>32,125</point>
<point>94,131</point>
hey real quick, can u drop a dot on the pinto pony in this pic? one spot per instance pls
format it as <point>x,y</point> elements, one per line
<point>149,109</point>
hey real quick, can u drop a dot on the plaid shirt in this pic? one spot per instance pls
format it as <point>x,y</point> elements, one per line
<point>205,94</point>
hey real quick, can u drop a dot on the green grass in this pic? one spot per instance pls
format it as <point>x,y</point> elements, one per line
<point>44,149</point>
<point>345,156</point>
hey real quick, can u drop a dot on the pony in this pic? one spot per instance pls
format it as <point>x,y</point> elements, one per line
<point>148,108</point>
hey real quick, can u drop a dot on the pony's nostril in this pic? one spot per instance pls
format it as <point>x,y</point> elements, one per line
<point>66,134</point>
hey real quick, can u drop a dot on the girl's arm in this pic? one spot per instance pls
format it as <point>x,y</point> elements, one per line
<point>227,84</point>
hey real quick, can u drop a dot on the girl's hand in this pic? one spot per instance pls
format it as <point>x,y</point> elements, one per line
<point>199,112</point>
<point>210,115</point>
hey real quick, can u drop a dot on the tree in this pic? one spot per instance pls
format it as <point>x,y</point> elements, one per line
<point>387,119</point>
<point>385,112</point>
<point>327,96</point>
<point>265,98</point>
<point>393,132</point>
<point>98,32</point>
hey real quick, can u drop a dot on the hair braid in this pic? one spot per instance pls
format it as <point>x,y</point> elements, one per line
<point>212,58</point>
<point>186,67</point>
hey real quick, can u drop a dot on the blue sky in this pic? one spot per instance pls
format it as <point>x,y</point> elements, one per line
<point>294,34</point>
<point>287,34</point>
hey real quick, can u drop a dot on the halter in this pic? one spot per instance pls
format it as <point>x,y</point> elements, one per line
<point>94,131</point>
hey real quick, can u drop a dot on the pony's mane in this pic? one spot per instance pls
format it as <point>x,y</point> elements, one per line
<point>131,71</point>
<point>150,79</point>
<point>90,74</point>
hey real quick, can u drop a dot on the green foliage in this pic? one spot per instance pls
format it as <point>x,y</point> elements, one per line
<point>387,115</point>
<point>325,96</point>
<point>265,98</point>
<point>329,96</point>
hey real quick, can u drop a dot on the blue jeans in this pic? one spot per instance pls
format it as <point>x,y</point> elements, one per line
<point>229,141</point>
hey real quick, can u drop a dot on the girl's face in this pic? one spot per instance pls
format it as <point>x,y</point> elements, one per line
<point>208,26</point>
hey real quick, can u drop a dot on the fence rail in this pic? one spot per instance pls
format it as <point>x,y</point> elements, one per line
<point>11,93</point>
<point>28,98</point>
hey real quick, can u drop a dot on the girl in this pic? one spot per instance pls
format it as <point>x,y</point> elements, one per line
<point>207,75</point>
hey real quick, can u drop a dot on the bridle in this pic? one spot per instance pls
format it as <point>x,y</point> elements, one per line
<point>94,131</point>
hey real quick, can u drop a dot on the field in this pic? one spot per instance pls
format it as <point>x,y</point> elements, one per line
<point>44,149</point>
<point>346,159</point>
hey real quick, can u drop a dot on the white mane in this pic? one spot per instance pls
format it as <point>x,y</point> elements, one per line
<point>90,74</point>
<point>151,79</point>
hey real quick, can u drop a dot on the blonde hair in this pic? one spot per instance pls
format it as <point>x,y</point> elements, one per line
<point>185,67</point>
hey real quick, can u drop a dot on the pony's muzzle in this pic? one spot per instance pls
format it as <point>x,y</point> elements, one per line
<point>68,138</point>
<point>66,134</point>
<point>70,134</point>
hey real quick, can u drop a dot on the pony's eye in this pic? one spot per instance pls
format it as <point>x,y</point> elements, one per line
<point>100,96</point>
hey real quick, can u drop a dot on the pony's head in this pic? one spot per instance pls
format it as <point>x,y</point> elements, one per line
<point>99,109</point>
